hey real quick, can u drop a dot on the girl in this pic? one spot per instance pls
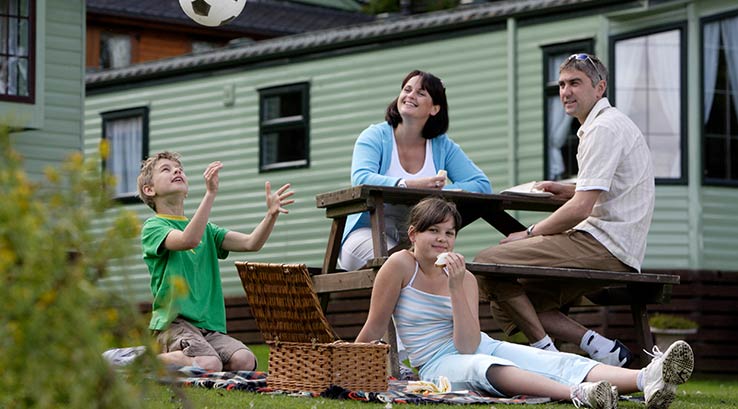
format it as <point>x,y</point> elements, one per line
<point>436,314</point>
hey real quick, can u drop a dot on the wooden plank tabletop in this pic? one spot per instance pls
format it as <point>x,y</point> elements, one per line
<point>359,195</point>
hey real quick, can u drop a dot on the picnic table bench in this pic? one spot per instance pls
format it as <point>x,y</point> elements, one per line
<point>619,288</point>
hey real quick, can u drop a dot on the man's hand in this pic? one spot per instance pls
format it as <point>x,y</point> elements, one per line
<point>518,235</point>
<point>211,176</point>
<point>559,190</point>
<point>276,201</point>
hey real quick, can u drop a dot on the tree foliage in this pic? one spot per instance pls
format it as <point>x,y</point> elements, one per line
<point>54,320</point>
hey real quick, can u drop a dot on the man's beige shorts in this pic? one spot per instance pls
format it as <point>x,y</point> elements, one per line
<point>572,249</point>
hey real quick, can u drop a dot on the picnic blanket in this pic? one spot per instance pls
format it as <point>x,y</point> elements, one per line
<point>254,381</point>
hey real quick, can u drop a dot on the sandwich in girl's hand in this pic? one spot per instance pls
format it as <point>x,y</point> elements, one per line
<point>441,260</point>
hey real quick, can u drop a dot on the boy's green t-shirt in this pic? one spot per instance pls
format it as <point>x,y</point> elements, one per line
<point>184,283</point>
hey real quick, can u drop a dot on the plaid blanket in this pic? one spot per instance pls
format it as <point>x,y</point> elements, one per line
<point>256,382</point>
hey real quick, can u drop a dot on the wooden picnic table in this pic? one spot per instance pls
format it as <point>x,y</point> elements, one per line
<point>472,206</point>
<point>633,289</point>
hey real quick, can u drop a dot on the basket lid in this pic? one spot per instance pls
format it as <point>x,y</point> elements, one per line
<point>284,303</point>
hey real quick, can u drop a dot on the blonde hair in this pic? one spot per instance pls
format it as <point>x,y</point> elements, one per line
<point>147,173</point>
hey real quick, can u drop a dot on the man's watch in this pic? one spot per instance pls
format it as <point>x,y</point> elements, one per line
<point>529,230</point>
<point>401,183</point>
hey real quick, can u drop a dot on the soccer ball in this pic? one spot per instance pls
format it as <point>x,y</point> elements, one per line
<point>212,13</point>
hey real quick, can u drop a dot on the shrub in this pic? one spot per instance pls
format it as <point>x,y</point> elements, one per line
<point>667,321</point>
<point>55,322</point>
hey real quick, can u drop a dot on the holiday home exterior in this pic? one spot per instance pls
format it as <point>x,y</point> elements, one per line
<point>289,110</point>
<point>42,79</point>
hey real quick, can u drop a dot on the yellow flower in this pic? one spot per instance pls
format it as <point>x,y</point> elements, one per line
<point>112,315</point>
<point>104,148</point>
<point>47,298</point>
<point>52,175</point>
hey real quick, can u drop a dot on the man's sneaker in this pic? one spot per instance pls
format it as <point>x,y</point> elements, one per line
<point>619,355</point>
<point>598,395</point>
<point>665,372</point>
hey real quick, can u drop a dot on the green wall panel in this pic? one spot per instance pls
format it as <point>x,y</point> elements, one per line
<point>50,138</point>
<point>350,91</point>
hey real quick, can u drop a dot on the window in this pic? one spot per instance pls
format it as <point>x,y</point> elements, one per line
<point>561,142</point>
<point>283,127</point>
<point>127,133</point>
<point>647,82</point>
<point>115,50</point>
<point>17,40</point>
<point>720,101</point>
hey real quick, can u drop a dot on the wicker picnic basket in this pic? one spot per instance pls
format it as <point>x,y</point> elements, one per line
<point>304,354</point>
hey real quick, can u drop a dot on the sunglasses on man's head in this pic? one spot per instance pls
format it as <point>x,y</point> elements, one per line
<point>582,57</point>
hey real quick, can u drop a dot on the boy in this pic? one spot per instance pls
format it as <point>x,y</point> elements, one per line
<point>188,316</point>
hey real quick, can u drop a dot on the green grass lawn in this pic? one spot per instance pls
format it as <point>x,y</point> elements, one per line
<point>702,391</point>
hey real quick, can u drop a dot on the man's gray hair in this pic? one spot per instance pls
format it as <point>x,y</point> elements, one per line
<point>588,64</point>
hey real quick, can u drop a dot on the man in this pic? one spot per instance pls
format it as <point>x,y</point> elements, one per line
<point>603,225</point>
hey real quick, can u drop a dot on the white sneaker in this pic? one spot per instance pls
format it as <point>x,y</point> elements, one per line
<point>665,372</point>
<point>123,356</point>
<point>598,395</point>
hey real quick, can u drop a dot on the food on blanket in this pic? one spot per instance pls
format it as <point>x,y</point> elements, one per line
<point>441,260</point>
<point>427,387</point>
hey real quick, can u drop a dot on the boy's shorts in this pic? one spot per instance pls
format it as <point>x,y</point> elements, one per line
<point>192,341</point>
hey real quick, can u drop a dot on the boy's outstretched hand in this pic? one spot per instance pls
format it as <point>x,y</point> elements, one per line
<point>211,176</point>
<point>277,200</point>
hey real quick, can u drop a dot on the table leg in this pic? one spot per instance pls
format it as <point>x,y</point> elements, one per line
<point>379,238</point>
<point>643,330</point>
<point>393,360</point>
<point>334,245</point>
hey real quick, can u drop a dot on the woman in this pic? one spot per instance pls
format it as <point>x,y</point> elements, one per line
<point>436,315</point>
<point>407,150</point>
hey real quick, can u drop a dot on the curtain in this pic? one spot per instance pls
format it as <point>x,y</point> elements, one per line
<point>664,71</point>
<point>125,137</point>
<point>729,29</point>
<point>711,38</point>
<point>116,50</point>
<point>558,125</point>
<point>630,56</point>
<point>12,67</point>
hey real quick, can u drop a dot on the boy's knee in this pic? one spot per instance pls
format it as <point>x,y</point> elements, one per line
<point>242,360</point>
<point>208,363</point>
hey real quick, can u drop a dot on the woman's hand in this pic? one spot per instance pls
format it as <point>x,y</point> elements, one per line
<point>433,182</point>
